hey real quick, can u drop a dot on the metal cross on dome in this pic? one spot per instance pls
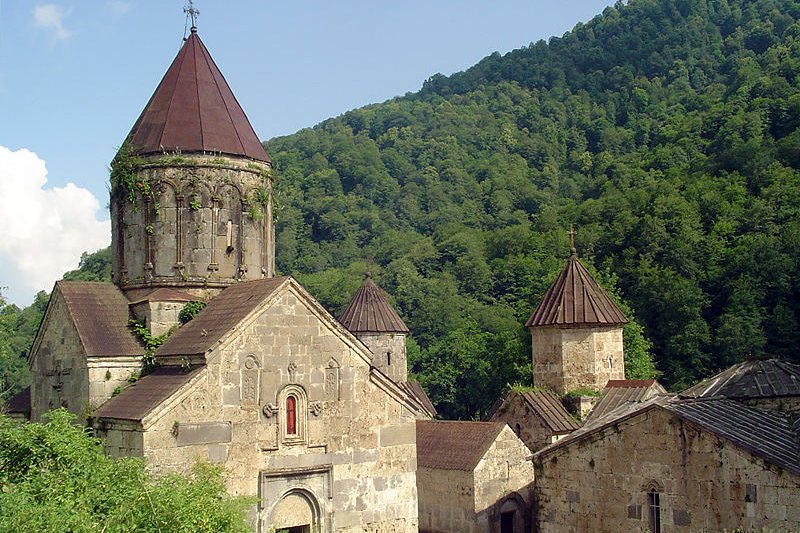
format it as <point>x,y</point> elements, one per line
<point>572,239</point>
<point>191,12</point>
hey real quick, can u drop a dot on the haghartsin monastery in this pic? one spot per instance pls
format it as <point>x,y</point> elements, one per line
<point>316,415</point>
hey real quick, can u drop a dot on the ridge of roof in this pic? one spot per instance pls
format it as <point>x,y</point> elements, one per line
<point>99,312</point>
<point>369,312</point>
<point>549,407</point>
<point>221,314</point>
<point>750,379</point>
<point>576,299</point>
<point>193,110</point>
<point>454,444</point>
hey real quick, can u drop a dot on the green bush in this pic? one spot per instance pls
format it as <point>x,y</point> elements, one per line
<point>54,476</point>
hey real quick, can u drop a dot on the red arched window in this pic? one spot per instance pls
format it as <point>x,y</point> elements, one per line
<point>291,415</point>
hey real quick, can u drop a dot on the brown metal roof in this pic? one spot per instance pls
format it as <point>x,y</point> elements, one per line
<point>221,314</point>
<point>750,380</point>
<point>369,312</point>
<point>454,444</point>
<point>165,294</point>
<point>548,406</point>
<point>20,403</point>
<point>575,299</point>
<point>138,400</point>
<point>100,314</point>
<point>194,110</point>
<point>621,391</point>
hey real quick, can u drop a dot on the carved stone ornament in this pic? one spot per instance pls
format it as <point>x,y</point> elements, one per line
<point>292,369</point>
<point>269,410</point>
<point>315,408</point>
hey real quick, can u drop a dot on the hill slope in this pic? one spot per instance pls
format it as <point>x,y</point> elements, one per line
<point>667,131</point>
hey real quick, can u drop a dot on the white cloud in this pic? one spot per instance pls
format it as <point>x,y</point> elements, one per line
<point>51,17</point>
<point>43,230</point>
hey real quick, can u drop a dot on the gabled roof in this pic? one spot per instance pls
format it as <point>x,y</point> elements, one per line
<point>762,433</point>
<point>221,314</point>
<point>454,444</point>
<point>194,110</point>
<point>370,312</point>
<point>138,400</point>
<point>545,404</point>
<point>624,391</point>
<point>165,294</point>
<point>100,314</point>
<point>575,299</point>
<point>750,380</point>
<point>415,389</point>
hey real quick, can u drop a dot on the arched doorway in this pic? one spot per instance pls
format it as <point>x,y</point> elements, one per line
<point>296,512</point>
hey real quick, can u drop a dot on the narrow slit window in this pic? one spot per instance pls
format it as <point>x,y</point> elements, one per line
<point>389,358</point>
<point>291,415</point>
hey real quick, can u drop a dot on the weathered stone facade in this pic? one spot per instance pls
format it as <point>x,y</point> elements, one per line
<point>389,353</point>
<point>193,220</point>
<point>537,417</point>
<point>618,478</point>
<point>492,497</point>
<point>351,458</point>
<point>570,358</point>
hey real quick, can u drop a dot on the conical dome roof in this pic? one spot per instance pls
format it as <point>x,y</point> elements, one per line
<point>194,110</point>
<point>575,299</point>
<point>370,312</point>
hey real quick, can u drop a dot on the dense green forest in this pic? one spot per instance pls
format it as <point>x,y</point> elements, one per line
<point>666,131</point>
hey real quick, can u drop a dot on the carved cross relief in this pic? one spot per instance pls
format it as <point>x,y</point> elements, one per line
<point>57,373</point>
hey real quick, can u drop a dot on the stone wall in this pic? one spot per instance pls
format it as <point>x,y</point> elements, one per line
<point>108,375</point>
<point>528,426</point>
<point>446,501</point>
<point>704,483</point>
<point>353,453</point>
<point>566,359</point>
<point>389,353</point>
<point>199,221</point>
<point>58,364</point>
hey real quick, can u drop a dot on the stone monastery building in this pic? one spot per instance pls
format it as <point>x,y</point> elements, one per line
<point>316,416</point>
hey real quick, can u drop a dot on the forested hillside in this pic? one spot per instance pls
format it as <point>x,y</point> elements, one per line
<point>667,131</point>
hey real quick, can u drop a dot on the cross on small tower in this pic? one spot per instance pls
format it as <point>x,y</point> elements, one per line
<point>192,13</point>
<point>573,250</point>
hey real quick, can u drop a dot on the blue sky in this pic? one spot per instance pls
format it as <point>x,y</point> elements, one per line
<point>74,76</point>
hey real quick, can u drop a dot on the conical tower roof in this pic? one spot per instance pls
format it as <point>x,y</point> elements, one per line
<point>194,110</point>
<point>370,312</point>
<point>575,299</point>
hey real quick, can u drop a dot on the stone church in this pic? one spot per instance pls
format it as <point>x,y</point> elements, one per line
<point>313,415</point>
<point>316,415</point>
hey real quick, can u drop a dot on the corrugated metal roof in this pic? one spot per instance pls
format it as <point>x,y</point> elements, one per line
<point>100,314</point>
<point>619,392</point>
<point>194,110</point>
<point>221,314</point>
<point>750,379</point>
<point>454,444</point>
<point>762,433</point>
<point>20,403</point>
<point>165,294</point>
<point>549,407</point>
<point>575,299</point>
<point>139,399</point>
<point>369,312</point>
